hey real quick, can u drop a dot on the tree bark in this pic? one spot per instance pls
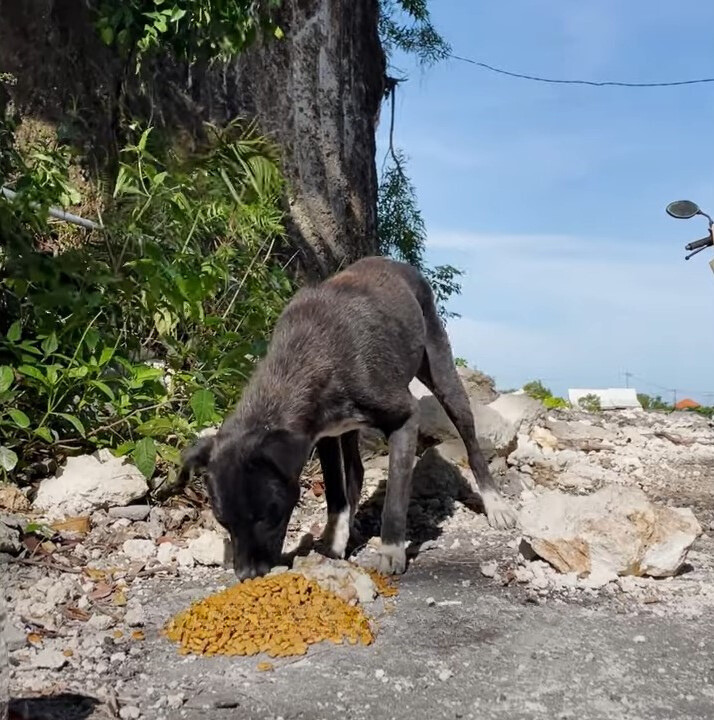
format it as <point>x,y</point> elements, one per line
<point>316,92</point>
<point>320,103</point>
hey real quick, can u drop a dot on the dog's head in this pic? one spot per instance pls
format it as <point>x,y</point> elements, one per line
<point>253,485</point>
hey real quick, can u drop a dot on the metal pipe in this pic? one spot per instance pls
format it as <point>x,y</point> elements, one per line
<point>56,212</point>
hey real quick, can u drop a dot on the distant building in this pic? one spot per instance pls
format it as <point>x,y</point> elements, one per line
<point>686,404</point>
<point>610,398</point>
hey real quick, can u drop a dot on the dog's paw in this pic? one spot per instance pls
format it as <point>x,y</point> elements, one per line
<point>334,539</point>
<point>500,514</point>
<point>325,546</point>
<point>391,559</point>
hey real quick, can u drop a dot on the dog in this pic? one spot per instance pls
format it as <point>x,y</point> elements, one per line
<point>341,358</point>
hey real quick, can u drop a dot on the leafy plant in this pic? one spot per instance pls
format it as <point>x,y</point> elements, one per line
<point>401,232</point>
<point>654,402</point>
<point>590,403</point>
<point>137,337</point>
<point>536,389</point>
<point>406,25</point>
<point>192,30</point>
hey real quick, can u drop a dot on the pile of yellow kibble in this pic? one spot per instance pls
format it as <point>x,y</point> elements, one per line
<point>280,615</point>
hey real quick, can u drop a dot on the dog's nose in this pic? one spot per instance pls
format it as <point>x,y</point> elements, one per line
<point>248,572</point>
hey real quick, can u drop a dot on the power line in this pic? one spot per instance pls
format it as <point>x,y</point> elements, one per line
<point>592,83</point>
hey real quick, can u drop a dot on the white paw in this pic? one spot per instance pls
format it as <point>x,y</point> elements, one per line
<point>500,514</point>
<point>391,559</point>
<point>336,535</point>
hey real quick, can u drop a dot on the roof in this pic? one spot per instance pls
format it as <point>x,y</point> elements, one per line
<point>686,404</point>
<point>610,398</point>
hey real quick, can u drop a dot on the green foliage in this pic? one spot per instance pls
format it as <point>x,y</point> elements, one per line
<point>406,25</point>
<point>461,362</point>
<point>401,233</point>
<point>190,29</point>
<point>536,389</point>
<point>654,402</point>
<point>137,337</point>
<point>590,403</point>
<point>553,402</point>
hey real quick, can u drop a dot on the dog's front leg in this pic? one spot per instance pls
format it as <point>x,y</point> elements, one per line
<point>339,514</point>
<point>402,449</point>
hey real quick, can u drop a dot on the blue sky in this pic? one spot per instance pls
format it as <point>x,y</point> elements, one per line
<point>551,198</point>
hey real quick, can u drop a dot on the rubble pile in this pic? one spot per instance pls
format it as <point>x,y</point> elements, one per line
<point>613,507</point>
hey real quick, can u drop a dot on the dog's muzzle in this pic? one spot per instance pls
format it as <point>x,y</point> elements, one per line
<point>252,570</point>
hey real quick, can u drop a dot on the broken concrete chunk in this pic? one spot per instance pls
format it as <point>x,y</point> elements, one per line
<point>135,513</point>
<point>88,482</point>
<point>209,548</point>
<point>139,549</point>
<point>578,434</point>
<point>9,538</point>
<point>615,530</point>
<point>520,410</point>
<point>12,499</point>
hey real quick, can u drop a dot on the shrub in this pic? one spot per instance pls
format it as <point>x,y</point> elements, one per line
<point>537,390</point>
<point>590,403</point>
<point>143,333</point>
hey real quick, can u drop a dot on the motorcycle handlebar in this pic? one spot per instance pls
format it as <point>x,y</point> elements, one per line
<point>704,242</point>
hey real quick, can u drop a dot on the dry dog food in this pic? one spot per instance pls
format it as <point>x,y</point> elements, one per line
<point>279,615</point>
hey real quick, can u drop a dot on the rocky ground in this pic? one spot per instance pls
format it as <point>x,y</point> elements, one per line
<point>481,628</point>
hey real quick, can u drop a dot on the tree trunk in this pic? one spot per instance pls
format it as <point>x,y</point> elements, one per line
<point>316,92</point>
<point>320,102</point>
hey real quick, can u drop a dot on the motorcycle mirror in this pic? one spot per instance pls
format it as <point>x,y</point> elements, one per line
<point>683,209</point>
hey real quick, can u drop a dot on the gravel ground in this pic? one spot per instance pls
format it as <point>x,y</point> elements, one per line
<point>475,632</point>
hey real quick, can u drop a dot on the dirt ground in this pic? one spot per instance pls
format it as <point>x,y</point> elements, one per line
<point>475,632</point>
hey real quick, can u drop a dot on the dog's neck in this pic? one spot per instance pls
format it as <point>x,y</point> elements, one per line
<point>279,396</point>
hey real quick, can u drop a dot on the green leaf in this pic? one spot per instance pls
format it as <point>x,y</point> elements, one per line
<point>45,434</point>
<point>279,34</point>
<point>106,356</point>
<point>170,454</point>
<point>33,372</point>
<point>7,376</point>
<point>107,35</point>
<point>203,405</point>
<point>124,449</point>
<point>144,137</point>
<point>104,388</point>
<point>15,332</point>
<point>78,372</point>
<point>155,427</point>
<point>145,456</point>
<point>19,418</point>
<point>91,338</point>
<point>74,421</point>
<point>8,459</point>
<point>50,344</point>
<point>52,374</point>
<point>35,528</point>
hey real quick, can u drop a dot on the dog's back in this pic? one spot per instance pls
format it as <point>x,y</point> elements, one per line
<point>351,341</point>
<point>372,311</point>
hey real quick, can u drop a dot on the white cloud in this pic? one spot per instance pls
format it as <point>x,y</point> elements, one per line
<point>580,310</point>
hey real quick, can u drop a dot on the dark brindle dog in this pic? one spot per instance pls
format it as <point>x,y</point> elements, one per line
<point>341,357</point>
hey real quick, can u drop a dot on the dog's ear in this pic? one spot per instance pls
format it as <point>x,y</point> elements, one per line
<point>194,458</point>
<point>286,451</point>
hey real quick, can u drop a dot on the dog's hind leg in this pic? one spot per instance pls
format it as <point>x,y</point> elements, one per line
<point>402,451</point>
<point>438,373</point>
<point>339,513</point>
<point>354,470</point>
